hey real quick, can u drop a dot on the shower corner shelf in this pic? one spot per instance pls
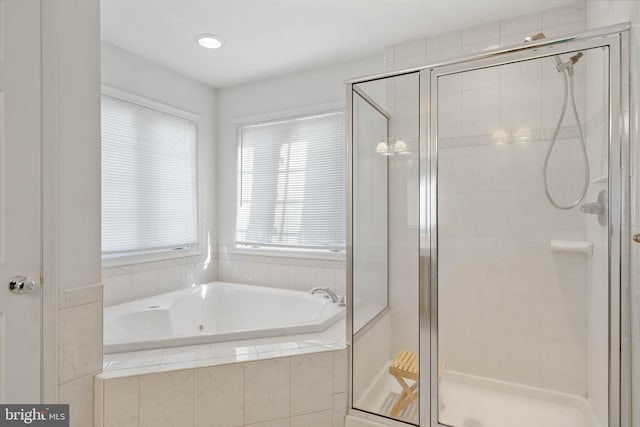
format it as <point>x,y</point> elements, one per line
<point>575,246</point>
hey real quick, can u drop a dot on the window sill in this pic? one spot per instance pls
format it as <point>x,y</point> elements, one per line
<point>290,253</point>
<point>132,259</point>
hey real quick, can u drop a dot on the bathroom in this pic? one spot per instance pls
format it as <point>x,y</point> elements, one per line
<point>330,373</point>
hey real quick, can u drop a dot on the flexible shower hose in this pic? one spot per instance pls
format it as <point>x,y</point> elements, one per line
<point>568,92</point>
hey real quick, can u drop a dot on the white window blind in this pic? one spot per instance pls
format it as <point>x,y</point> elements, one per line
<point>149,187</point>
<point>292,183</point>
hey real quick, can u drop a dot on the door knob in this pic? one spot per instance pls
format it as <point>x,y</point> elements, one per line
<point>21,285</point>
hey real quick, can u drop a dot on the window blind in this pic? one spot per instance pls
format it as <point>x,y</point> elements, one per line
<point>292,183</point>
<point>149,186</point>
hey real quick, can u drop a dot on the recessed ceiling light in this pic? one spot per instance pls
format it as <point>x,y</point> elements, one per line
<point>210,41</point>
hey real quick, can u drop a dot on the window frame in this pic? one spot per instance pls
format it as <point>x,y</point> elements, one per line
<point>284,252</point>
<point>158,255</point>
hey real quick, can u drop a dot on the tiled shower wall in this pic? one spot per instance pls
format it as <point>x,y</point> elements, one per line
<point>510,307</point>
<point>402,100</point>
<point>478,105</point>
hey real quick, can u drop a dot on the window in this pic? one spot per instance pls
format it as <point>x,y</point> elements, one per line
<point>149,185</point>
<point>291,191</point>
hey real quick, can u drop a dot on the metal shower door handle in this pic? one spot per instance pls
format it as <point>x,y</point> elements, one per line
<point>21,285</point>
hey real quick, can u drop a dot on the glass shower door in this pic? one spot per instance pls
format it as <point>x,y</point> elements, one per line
<point>384,258</point>
<point>522,297</point>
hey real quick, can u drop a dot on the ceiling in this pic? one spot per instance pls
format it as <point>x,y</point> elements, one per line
<point>265,38</point>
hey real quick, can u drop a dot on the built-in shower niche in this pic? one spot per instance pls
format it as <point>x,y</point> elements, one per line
<point>385,245</point>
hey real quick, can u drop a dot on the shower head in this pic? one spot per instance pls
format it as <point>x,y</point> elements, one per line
<point>568,65</point>
<point>576,57</point>
<point>559,64</point>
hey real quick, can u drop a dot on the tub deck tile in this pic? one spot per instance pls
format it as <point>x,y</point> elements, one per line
<point>279,353</point>
<point>202,355</point>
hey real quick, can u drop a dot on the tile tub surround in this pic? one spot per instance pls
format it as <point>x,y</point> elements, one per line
<point>284,272</point>
<point>299,390</point>
<point>172,358</point>
<point>124,283</point>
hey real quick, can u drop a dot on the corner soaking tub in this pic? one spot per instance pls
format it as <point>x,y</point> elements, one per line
<point>215,312</point>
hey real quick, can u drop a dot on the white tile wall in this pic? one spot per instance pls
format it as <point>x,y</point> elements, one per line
<point>121,407</point>
<point>219,396</point>
<point>494,223</point>
<point>300,390</point>
<point>79,349</point>
<point>166,399</point>
<point>311,383</point>
<point>339,408</point>
<point>410,54</point>
<point>494,242</point>
<point>78,393</point>
<point>403,105</point>
<point>317,419</point>
<point>284,422</point>
<point>370,350</point>
<point>299,274</point>
<point>130,282</point>
<point>267,390</point>
<point>80,341</point>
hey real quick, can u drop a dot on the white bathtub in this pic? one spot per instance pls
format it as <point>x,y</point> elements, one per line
<point>215,312</point>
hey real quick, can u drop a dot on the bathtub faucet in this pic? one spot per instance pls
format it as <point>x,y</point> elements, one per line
<point>328,292</point>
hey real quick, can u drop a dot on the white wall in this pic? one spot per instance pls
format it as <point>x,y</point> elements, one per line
<point>72,326</point>
<point>294,94</point>
<point>78,149</point>
<point>132,73</point>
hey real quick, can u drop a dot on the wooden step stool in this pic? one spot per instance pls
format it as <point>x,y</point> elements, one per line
<point>405,365</point>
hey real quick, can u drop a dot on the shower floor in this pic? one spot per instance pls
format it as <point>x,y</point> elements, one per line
<point>468,401</point>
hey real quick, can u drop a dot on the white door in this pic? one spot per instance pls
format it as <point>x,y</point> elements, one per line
<point>20,241</point>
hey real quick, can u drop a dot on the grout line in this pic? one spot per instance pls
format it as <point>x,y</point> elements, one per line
<point>139,400</point>
<point>194,397</point>
<point>243,391</point>
<point>92,373</point>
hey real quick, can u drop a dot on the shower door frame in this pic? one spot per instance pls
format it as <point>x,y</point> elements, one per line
<point>616,38</point>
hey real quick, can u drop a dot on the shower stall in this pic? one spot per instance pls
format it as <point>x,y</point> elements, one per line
<point>488,238</point>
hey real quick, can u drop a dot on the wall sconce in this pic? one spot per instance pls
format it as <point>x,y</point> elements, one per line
<point>398,147</point>
<point>383,149</point>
